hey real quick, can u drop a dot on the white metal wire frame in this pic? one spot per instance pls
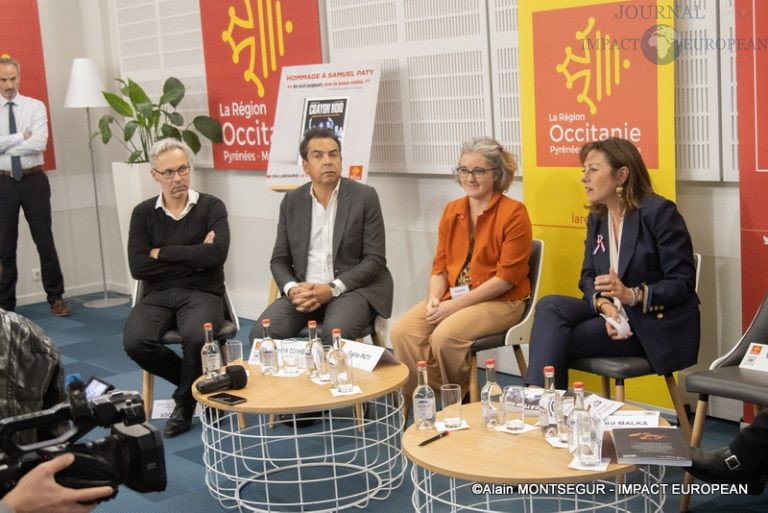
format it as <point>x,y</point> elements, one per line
<point>342,461</point>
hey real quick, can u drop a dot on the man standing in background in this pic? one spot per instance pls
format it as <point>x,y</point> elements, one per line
<point>23,184</point>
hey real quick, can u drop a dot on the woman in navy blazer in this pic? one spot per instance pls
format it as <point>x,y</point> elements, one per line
<point>638,276</point>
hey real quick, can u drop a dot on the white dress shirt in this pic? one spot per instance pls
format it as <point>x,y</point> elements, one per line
<point>192,197</point>
<point>30,115</point>
<point>320,257</point>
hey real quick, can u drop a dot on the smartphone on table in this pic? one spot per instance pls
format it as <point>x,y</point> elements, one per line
<point>227,398</point>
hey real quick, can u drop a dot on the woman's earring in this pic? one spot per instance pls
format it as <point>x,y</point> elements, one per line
<point>619,191</point>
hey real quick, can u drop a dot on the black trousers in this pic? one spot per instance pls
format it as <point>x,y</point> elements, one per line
<point>159,312</point>
<point>33,194</point>
<point>349,312</point>
<point>751,444</point>
<point>565,329</point>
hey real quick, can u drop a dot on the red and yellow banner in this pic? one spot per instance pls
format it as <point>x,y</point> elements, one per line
<point>20,39</point>
<point>590,69</point>
<point>752,98</point>
<point>246,43</point>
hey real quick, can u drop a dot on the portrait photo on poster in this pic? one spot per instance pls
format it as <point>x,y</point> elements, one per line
<point>325,113</point>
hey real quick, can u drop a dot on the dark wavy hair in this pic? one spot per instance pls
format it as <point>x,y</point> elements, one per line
<point>622,153</point>
<point>317,133</point>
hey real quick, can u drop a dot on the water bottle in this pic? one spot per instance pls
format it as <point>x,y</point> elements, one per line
<point>548,404</point>
<point>490,395</point>
<point>210,353</point>
<point>587,434</point>
<point>424,410</point>
<point>313,351</point>
<point>267,352</point>
<point>341,369</point>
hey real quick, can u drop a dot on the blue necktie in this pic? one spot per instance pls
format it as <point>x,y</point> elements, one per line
<point>18,172</point>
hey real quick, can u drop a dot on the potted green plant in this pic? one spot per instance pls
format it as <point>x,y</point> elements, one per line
<point>142,122</point>
<point>146,121</point>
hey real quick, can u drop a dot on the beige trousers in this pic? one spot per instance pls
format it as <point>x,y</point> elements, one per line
<point>445,347</point>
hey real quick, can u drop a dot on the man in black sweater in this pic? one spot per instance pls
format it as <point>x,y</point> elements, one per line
<point>177,245</point>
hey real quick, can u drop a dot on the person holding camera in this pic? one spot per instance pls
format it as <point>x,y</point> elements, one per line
<point>38,491</point>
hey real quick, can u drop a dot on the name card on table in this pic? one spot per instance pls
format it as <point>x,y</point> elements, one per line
<point>366,356</point>
<point>756,358</point>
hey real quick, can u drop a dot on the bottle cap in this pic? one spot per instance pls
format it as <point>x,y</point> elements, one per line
<point>490,361</point>
<point>208,326</point>
<point>578,384</point>
<point>335,331</point>
<point>265,322</point>
<point>312,324</point>
<point>421,364</point>
<point>549,368</point>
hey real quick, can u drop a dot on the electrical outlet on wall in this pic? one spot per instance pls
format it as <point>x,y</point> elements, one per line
<point>36,276</point>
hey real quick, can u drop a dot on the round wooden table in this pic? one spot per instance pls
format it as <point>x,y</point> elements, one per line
<point>343,460</point>
<point>483,470</point>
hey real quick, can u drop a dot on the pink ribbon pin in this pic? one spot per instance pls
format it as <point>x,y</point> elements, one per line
<point>600,244</point>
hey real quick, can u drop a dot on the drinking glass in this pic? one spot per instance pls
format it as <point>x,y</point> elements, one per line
<point>450,398</point>
<point>233,352</point>
<point>588,433</point>
<point>323,370</point>
<point>514,407</point>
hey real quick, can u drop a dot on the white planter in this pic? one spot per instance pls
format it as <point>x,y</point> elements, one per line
<point>133,184</point>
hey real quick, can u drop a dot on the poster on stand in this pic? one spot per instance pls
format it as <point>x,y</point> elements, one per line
<point>339,96</point>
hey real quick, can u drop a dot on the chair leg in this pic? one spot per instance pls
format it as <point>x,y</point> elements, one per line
<point>696,436</point>
<point>147,392</point>
<point>619,390</point>
<point>474,386</point>
<point>520,357</point>
<point>677,400</point>
<point>605,383</point>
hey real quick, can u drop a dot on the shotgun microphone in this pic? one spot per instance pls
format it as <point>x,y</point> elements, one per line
<point>235,378</point>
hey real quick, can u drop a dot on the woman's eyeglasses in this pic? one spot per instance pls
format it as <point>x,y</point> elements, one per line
<point>167,174</point>
<point>477,172</point>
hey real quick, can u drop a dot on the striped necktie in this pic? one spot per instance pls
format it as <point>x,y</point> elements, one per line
<point>18,172</point>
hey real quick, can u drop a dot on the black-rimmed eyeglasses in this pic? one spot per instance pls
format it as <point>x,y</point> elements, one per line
<point>464,171</point>
<point>167,174</point>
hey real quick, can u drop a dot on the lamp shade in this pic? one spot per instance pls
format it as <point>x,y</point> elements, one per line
<point>85,86</point>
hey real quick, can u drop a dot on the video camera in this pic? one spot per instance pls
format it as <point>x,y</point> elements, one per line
<point>131,455</point>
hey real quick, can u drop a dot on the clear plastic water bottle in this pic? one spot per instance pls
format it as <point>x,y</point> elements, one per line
<point>578,406</point>
<point>548,404</point>
<point>424,409</point>
<point>267,352</point>
<point>490,395</point>
<point>210,353</point>
<point>313,351</point>
<point>587,435</point>
<point>340,367</point>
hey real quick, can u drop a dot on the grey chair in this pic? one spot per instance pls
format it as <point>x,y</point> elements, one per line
<point>725,379</point>
<point>516,335</point>
<point>625,367</point>
<point>228,329</point>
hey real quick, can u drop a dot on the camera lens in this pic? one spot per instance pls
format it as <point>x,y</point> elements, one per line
<point>137,453</point>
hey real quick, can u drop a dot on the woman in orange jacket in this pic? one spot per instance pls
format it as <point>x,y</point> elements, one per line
<point>479,281</point>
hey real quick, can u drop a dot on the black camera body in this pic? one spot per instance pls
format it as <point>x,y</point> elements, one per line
<point>131,455</point>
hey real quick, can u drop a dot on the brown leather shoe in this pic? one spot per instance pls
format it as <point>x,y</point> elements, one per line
<point>60,308</point>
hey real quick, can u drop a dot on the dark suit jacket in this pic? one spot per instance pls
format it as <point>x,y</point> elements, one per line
<point>359,248</point>
<point>655,251</point>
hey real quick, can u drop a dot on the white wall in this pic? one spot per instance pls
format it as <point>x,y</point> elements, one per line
<point>411,205</point>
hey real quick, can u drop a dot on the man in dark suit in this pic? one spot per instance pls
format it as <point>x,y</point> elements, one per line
<point>329,259</point>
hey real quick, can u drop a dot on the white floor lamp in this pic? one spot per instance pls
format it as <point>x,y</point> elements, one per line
<point>84,91</point>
